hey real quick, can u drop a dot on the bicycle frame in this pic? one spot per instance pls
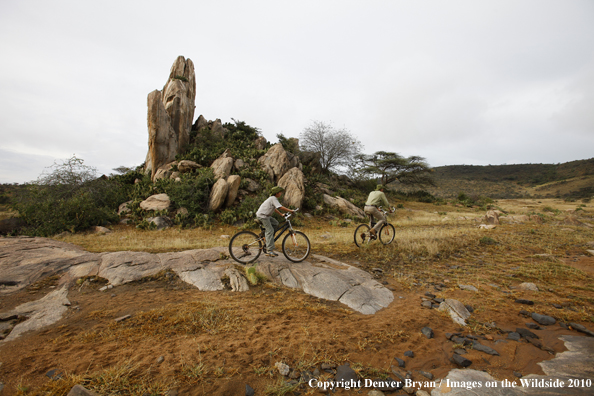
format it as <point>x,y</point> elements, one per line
<point>280,231</point>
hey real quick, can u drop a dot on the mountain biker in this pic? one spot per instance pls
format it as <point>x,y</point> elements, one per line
<point>264,214</point>
<point>376,198</point>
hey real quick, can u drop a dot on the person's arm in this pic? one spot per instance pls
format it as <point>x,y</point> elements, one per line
<point>283,208</point>
<point>385,200</point>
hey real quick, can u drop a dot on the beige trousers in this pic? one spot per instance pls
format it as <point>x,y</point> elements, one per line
<point>381,219</point>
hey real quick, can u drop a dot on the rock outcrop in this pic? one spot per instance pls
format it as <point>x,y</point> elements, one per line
<point>170,115</point>
<point>275,162</point>
<point>222,166</point>
<point>294,184</point>
<point>218,194</point>
<point>156,202</point>
<point>343,206</point>
<point>233,182</point>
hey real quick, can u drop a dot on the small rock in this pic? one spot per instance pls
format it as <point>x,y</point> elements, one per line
<point>282,368</point>
<point>401,363</point>
<point>374,392</point>
<point>249,391</point>
<point>79,390</point>
<point>533,326</point>
<point>426,374</point>
<point>461,361</point>
<point>528,286</point>
<point>54,374</point>
<point>581,329</point>
<point>430,295</point>
<point>469,308</point>
<point>421,392</point>
<point>409,390</point>
<point>543,319</point>
<point>526,333</point>
<point>460,351</point>
<point>557,306</point>
<point>468,287</point>
<point>427,332</point>
<point>477,346</point>
<point>160,360</point>
<point>409,354</point>
<point>427,304</point>
<point>122,318</point>
<point>345,373</point>
<point>522,301</point>
<point>518,374</point>
<point>513,336</point>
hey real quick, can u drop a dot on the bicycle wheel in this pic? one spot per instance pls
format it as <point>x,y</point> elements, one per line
<point>362,235</point>
<point>296,246</point>
<point>245,247</point>
<point>387,234</point>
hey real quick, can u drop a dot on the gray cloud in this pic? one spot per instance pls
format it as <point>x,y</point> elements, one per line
<point>457,82</point>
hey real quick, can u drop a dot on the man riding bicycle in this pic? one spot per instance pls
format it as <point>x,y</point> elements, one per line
<point>264,214</point>
<point>376,199</point>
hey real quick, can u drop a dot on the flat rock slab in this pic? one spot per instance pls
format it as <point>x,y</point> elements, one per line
<point>27,260</point>
<point>576,363</point>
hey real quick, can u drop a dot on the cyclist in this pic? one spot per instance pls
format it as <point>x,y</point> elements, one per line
<point>264,214</point>
<point>376,198</point>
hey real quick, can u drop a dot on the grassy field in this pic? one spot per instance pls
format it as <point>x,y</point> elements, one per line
<point>437,247</point>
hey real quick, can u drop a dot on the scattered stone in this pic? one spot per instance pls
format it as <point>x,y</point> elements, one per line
<point>421,392</point>
<point>427,304</point>
<point>528,286</point>
<point>345,373</point>
<point>426,374</point>
<point>461,361</point>
<point>518,374</point>
<point>249,391</point>
<point>409,354</point>
<point>160,360</point>
<point>54,374</point>
<point>282,368</point>
<point>430,295</point>
<point>375,392</point>
<point>468,287</point>
<point>526,314</point>
<point>401,363</point>
<point>79,390</point>
<point>122,318</point>
<point>543,319</point>
<point>533,326</point>
<point>526,333</point>
<point>427,332</point>
<point>456,309</point>
<point>526,302</point>
<point>469,308</point>
<point>557,306</point>
<point>581,329</point>
<point>513,336</point>
<point>477,346</point>
<point>460,351</point>
<point>156,202</point>
<point>408,389</point>
<point>327,366</point>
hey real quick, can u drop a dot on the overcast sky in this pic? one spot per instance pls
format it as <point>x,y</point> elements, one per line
<point>457,82</point>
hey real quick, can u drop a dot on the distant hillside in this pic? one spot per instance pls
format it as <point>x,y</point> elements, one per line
<point>573,179</point>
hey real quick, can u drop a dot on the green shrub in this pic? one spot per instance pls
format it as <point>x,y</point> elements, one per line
<point>69,198</point>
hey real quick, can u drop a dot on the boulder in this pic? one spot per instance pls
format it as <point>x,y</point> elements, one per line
<point>260,143</point>
<point>456,309</point>
<point>233,182</point>
<point>200,123</point>
<point>179,95</point>
<point>239,164</point>
<point>528,286</point>
<point>343,206</point>
<point>294,161</point>
<point>492,218</point>
<point>252,186</point>
<point>161,222</point>
<point>222,166</point>
<point>165,171</point>
<point>218,194</point>
<point>186,166</point>
<point>294,184</point>
<point>275,162</point>
<point>162,138</point>
<point>156,202</point>
<point>217,128</point>
<point>123,208</point>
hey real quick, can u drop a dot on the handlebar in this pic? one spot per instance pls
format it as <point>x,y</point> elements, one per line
<point>289,214</point>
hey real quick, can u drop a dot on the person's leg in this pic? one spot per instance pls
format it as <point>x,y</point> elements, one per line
<point>274,223</point>
<point>269,234</point>
<point>381,219</point>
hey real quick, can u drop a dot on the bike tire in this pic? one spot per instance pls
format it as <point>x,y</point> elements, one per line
<point>387,234</point>
<point>245,247</point>
<point>362,235</point>
<point>296,246</point>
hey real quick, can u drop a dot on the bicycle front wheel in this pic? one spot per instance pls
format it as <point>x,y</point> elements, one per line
<point>387,234</point>
<point>296,246</point>
<point>362,235</point>
<point>245,247</point>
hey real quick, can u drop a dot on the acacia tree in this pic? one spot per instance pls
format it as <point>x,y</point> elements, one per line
<point>337,147</point>
<point>389,167</point>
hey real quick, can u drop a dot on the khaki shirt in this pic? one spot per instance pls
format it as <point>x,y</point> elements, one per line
<point>377,198</point>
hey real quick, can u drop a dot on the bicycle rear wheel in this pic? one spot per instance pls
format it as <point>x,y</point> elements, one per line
<point>387,234</point>
<point>362,235</point>
<point>296,246</point>
<point>245,247</point>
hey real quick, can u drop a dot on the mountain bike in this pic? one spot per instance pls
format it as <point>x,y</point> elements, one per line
<point>386,234</point>
<point>245,246</point>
